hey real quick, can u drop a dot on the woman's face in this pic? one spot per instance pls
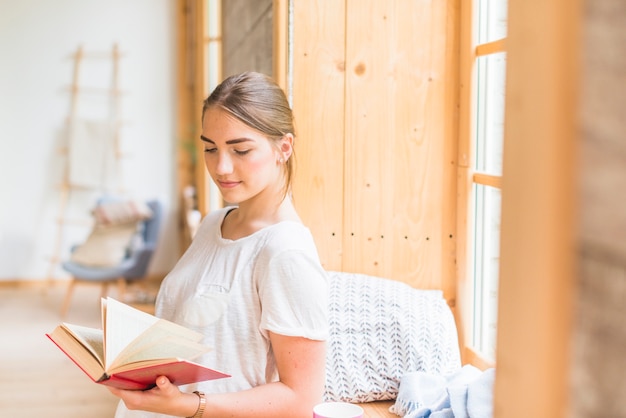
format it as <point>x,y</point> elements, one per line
<point>241,161</point>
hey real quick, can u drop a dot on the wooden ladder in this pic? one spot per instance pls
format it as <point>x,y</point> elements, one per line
<point>66,188</point>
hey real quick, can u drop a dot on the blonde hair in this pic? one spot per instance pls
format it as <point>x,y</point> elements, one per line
<point>257,101</point>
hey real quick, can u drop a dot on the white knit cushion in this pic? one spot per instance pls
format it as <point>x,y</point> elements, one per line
<point>381,329</point>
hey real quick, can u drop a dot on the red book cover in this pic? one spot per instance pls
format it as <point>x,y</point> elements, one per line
<point>179,372</point>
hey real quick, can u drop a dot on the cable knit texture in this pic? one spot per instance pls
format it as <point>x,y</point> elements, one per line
<point>380,330</point>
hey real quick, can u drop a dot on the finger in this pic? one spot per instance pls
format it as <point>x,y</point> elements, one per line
<point>163,382</point>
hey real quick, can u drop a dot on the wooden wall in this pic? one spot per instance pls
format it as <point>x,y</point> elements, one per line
<point>375,94</point>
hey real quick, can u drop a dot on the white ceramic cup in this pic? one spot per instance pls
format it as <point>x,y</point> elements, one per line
<point>337,410</point>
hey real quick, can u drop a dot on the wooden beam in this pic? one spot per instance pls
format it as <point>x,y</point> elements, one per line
<point>471,356</point>
<point>280,9</point>
<point>487,180</point>
<point>491,48</point>
<point>202,180</point>
<point>538,195</point>
<point>464,161</point>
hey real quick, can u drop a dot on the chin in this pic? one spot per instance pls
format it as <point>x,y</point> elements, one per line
<point>237,197</point>
<point>233,198</point>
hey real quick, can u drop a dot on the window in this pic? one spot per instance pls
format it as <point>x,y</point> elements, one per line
<point>485,133</point>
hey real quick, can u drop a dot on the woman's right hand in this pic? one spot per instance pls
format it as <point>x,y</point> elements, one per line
<point>164,398</point>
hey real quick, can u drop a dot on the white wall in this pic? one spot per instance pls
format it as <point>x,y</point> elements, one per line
<point>37,38</point>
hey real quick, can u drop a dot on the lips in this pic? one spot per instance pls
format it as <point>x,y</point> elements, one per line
<point>227,184</point>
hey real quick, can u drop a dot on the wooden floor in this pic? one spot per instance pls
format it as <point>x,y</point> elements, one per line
<point>36,379</point>
<point>378,410</point>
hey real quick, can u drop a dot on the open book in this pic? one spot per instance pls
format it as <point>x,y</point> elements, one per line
<point>133,348</point>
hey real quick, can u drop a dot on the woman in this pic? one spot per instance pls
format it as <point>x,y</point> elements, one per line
<point>251,281</point>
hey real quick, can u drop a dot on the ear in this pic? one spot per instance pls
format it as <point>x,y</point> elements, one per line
<point>286,146</point>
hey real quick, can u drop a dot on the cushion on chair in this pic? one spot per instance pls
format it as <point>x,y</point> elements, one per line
<point>114,233</point>
<point>106,246</point>
<point>381,329</point>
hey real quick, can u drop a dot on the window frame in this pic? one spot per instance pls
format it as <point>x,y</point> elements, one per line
<point>470,52</point>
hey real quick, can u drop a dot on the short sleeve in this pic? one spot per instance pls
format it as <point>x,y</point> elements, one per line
<point>294,296</point>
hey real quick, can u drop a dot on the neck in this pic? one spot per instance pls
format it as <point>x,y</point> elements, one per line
<point>269,213</point>
<point>249,218</point>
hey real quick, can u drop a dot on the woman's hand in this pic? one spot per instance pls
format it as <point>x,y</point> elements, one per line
<point>164,398</point>
<point>300,363</point>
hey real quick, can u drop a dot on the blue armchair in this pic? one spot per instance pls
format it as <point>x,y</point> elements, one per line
<point>132,267</point>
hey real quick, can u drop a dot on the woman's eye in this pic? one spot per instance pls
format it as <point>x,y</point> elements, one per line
<point>210,150</point>
<point>242,152</point>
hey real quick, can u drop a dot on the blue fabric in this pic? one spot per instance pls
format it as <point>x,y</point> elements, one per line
<point>444,413</point>
<point>480,395</point>
<point>458,400</point>
<point>466,393</point>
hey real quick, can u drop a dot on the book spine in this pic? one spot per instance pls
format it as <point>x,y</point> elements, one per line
<point>121,383</point>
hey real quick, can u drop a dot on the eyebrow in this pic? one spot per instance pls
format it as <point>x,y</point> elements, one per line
<point>229,142</point>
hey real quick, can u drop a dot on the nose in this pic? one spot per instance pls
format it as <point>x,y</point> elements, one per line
<point>224,164</point>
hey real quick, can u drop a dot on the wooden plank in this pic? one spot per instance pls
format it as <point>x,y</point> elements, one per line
<point>197,24</point>
<point>318,102</point>
<point>281,42</point>
<point>476,359</point>
<point>185,162</point>
<point>491,48</point>
<point>190,91</point>
<point>378,409</point>
<point>399,148</point>
<point>487,180</point>
<point>450,137</point>
<point>465,151</point>
<point>537,241</point>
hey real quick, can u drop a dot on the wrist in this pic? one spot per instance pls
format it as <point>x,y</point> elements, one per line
<point>201,405</point>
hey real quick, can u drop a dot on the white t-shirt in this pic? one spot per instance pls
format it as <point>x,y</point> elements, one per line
<point>234,292</point>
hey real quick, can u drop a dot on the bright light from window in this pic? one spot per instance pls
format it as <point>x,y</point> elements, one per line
<point>492,20</point>
<point>490,74</point>
<point>486,266</point>
<point>490,93</point>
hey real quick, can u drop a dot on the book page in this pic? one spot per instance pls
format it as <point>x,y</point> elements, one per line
<point>123,324</point>
<point>90,338</point>
<point>163,339</point>
<point>77,352</point>
<point>159,350</point>
<point>103,314</point>
<point>166,327</point>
